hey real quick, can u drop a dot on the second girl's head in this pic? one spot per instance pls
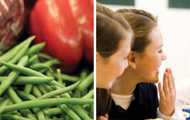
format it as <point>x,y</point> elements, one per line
<point>146,53</point>
<point>113,35</point>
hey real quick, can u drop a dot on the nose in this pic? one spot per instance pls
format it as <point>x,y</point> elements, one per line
<point>164,57</point>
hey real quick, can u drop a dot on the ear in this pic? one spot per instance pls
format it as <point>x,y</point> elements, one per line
<point>132,59</point>
<point>98,57</point>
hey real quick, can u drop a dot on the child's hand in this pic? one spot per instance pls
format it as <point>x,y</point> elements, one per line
<point>167,94</point>
<point>103,117</point>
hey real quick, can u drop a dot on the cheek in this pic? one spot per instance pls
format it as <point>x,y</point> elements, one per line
<point>156,62</point>
<point>120,67</point>
<point>153,63</point>
<point>153,72</point>
<point>148,68</point>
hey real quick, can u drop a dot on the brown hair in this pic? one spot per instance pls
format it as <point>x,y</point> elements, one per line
<point>142,24</point>
<point>111,28</point>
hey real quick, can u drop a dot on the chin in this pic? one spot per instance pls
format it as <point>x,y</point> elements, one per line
<point>156,80</point>
<point>153,79</point>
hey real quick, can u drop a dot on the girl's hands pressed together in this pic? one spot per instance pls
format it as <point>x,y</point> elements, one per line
<point>167,94</point>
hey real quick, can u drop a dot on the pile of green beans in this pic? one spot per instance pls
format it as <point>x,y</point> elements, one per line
<point>32,87</point>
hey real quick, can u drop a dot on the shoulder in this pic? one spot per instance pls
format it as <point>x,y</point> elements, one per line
<point>146,93</point>
<point>146,88</point>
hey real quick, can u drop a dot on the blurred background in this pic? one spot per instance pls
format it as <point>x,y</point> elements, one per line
<point>174,22</point>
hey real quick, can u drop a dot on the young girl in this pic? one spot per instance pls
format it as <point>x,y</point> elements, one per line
<point>113,37</point>
<point>134,94</point>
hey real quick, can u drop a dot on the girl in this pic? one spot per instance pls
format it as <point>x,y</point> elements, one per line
<point>113,37</point>
<point>134,94</point>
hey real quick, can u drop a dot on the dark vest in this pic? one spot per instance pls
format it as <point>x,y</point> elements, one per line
<point>143,106</point>
<point>103,101</point>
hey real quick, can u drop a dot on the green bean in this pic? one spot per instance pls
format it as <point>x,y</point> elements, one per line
<point>66,117</point>
<point>28,71</point>
<point>89,94</point>
<point>13,117</point>
<point>40,114</point>
<point>14,51</point>
<point>28,88</point>
<point>78,109</point>
<point>33,59</point>
<point>39,66</point>
<point>36,92</point>
<point>70,112</point>
<point>58,85</point>
<point>45,56</point>
<point>18,55</point>
<point>81,112</point>
<point>86,82</point>
<point>29,80</point>
<point>13,95</point>
<point>69,78</point>
<point>83,74</point>
<point>77,93</point>
<point>47,103</point>
<point>58,76</point>
<point>91,110</point>
<point>26,96</point>
<point>48,88</point>
<point>53,111</point>
<point>12,76</point>
<point>42,89</point>
<point>60,91</point>
<point>23,70</point>
<point>16,99</point>
<point>55,83</point>
<point>35,49</point>
<point>47,63</point>
<point>51,62</point>
<point>3,105</point>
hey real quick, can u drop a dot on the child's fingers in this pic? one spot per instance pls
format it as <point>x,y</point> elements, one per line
<point>165,84</point>
<point>173,80</point>
<point>161,91</point>
<point>170,84</point>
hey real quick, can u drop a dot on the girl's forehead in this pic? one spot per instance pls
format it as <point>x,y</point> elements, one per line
<point>155,37</point>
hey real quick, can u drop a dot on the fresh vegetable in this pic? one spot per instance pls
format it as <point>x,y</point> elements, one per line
<point>11,22</point>
<point>53,22</point>
<point>31,86</point>
<point>83,12</point>
<point>46,103</point>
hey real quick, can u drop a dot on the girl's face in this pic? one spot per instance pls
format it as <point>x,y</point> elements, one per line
<point>115,65</point>
<point>148,62</point>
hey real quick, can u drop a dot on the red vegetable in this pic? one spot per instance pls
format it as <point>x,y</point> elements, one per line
<point>11,22</point>
<point>53,21</point>
<point>83,11</point>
